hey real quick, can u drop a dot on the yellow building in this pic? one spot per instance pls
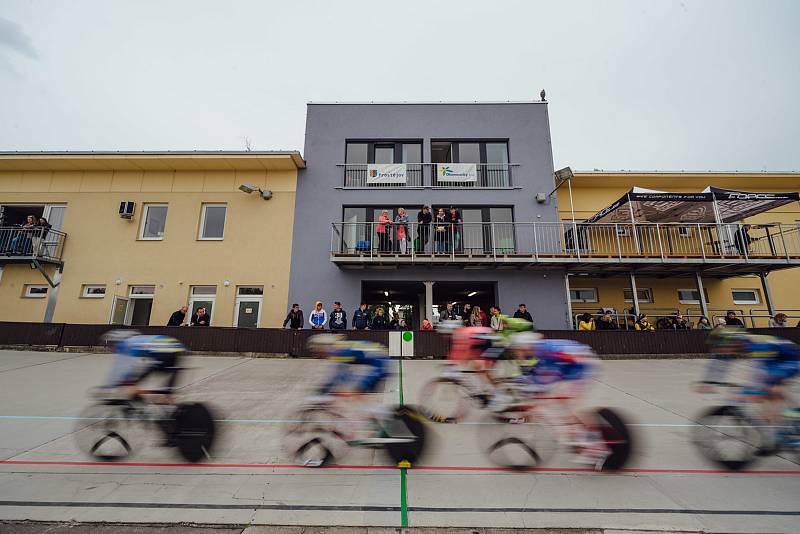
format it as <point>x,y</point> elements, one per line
<point>137,235</point>
<point>664,294</point>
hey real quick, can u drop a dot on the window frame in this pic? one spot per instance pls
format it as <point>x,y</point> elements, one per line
<point>145,209</point>
<point>755,292</point>
<point>28,295</point>
<point>203,209</point>
<point>86,287</point>
<point>584,301</point>
<point>241,298</point>
<point>690,301</point>
<point>646,300</point>
<point>194,298</point>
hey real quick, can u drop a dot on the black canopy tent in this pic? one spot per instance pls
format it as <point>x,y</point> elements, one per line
<point>713,205</point>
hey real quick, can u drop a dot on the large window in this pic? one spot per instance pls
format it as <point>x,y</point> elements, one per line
<point>212,221</point>
<point>358,154</point>
<point>691,296</point>
<point>491,157</point>
<point>746,296</point>
<point>154,219</point>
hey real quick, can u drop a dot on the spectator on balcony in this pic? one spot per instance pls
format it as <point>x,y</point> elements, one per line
<point>732,320</point>
<point>21,244</point>
<point>496,322</point>
<point>642,324</point>
<point>424,219</point>
<point>449,313</point>
<point>384,228</point>
<point>585,322</point>
<point>441,233</point>
<point>606,322</point>
<point>294,318</point>
<point>454,218</point>
<point>201,318</point>
<point>40,235</point>
<point>318,317</point>
<point>380,321</point>
<point>704,324</point>
<point>679,322</point>
<point>401,230</point>
<point>742,239</point>
<point>178,318</point>
<point>779,321</point>
<point>721,323</point>
<point>338,317</point>
<point>361,317</point>
<point>523,313</point>
<point>426,325</point>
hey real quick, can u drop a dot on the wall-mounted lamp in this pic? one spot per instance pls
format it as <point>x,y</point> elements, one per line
<point>250,188</point>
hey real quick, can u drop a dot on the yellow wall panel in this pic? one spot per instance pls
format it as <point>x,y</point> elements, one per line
<point>188,181</point>
<point>35,181</point>
<point>127,181</point>
<point>66,182</point>
<point>219,181</point>
<point>94,181</point>
<point>10,181</point>
<point>157,181</point>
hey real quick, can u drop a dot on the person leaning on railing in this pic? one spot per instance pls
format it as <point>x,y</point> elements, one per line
<point>585,322</point>
<point>779,321</point>
<point>642,324</point>
<point>605,323</point>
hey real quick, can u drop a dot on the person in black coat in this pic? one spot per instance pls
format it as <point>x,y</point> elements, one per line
<point>338,319</point>
<point>424,220</point>
<point>201,318</point>
<point>380,321</point>
<point>178,317</point>
<point>294,318</point>
<point>523,313</point>
<point>361,318</point>
<point>605,323</point>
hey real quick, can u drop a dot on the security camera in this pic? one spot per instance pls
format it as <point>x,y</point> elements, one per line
<point>248,188</point>
<point>266,195</point>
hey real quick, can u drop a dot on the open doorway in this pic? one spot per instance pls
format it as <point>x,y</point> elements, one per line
<point>460,293</point>
<point>401,300</point>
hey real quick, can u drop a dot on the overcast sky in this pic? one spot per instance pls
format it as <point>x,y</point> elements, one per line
<point>632,84</point>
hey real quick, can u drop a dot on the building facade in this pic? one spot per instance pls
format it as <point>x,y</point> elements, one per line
<point>137,235</point>
<point>774,250</point>
<point>489,161</point>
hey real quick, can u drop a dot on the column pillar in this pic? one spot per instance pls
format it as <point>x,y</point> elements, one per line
<point>767,294</point>
<point>429,301</point>
<point>702,292</point>
<point>52,295</point>
<point>635,294</point>
<point>569,302</point>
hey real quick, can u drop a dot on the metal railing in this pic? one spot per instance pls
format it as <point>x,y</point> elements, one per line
<point>573,241</point>
<point>488,175</point>
<point>38,243</point>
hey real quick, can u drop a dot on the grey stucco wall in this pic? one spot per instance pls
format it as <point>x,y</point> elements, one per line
<point>320,197</point>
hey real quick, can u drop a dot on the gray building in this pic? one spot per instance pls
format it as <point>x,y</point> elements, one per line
<point>490,161</point>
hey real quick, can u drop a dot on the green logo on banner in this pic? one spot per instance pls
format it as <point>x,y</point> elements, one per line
<point>408,336</point>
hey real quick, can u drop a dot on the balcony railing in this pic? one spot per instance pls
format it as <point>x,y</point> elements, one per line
<point>26,244</point>
<point>565,242</point>
<point>491,175</point>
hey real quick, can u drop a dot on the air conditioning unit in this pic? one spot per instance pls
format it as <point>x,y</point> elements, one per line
<point>126,209</point>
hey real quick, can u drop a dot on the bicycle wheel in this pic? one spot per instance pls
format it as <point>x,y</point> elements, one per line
<point>444,400</point>
<point>727,437</point>
<point>316,437</point>
<point>106,430</point>
<point>617,437</point>
<point>410,451</point>
<point>194,431</point>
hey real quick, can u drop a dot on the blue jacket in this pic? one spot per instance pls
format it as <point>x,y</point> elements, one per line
<point>361,319</point>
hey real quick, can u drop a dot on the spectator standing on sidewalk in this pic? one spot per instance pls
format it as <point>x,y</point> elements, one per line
<point>426,325</point>
<point>338,317</point>
<point>523,313</point>
<point>294,318</point>
<point>380,321</point>
<point>318,317</point>
<point>449,314</point>
<point>201,318</point>
<point>732,320</point>
<point>605,323</point>
<point>497,319</point>
<point>361,318</point>
<point>585,322</point>
<point>178,317</point>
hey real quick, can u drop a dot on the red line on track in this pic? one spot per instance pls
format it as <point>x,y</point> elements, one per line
<point>416,468</point>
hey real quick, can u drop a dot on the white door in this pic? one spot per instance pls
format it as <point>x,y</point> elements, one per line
<point>119,310</point>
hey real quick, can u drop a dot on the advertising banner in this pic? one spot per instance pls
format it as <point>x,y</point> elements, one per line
<point>456,172</point>
<point>386,173</point>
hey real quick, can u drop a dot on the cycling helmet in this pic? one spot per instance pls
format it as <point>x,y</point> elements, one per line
<point>727,336</point>
<point>322,342</point>
<point>115,336</point>
<point>521,340</point>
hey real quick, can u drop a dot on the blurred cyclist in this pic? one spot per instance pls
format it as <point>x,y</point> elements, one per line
<point>777,361</point>
<point>347,354</point>
<point>139,356</point>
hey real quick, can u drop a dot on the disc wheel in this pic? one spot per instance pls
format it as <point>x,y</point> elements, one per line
<point>316,437</point>
<point>105,430</point>
<point>194,431</point>
<point>444,400</point>
<point>617,437</point>
<point>725,436</point>
<point>516,440</point>
<point>414,422</point>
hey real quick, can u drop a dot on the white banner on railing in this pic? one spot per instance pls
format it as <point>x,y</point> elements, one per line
<point>386,173</point>
<point>456,172</point>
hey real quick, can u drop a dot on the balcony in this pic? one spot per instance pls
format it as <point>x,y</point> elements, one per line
<point>715,249</point>
<point>425,175</point>
<point>25,245</point>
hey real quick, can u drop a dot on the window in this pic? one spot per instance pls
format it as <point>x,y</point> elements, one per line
<point>154,218</point>
<point>212,221</point>
<point>691,296</point>
<point>142,291</point>
<point>645,295</point>
<point>746,296</point>
<point>490,156</point>
<point>583,294</point>
<point>360,153</point>
<point>91,291</point>
<point>203,297</point>
<point>248,306</point>
<point>35,291</point>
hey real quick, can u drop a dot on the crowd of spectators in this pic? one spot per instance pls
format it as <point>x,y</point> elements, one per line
<point>24,239</point>
<point>396,236</point>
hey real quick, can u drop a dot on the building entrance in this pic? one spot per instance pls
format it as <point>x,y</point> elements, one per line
<point>461,293</point>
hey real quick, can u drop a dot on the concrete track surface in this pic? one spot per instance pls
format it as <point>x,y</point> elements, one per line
<point>250,479</point>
